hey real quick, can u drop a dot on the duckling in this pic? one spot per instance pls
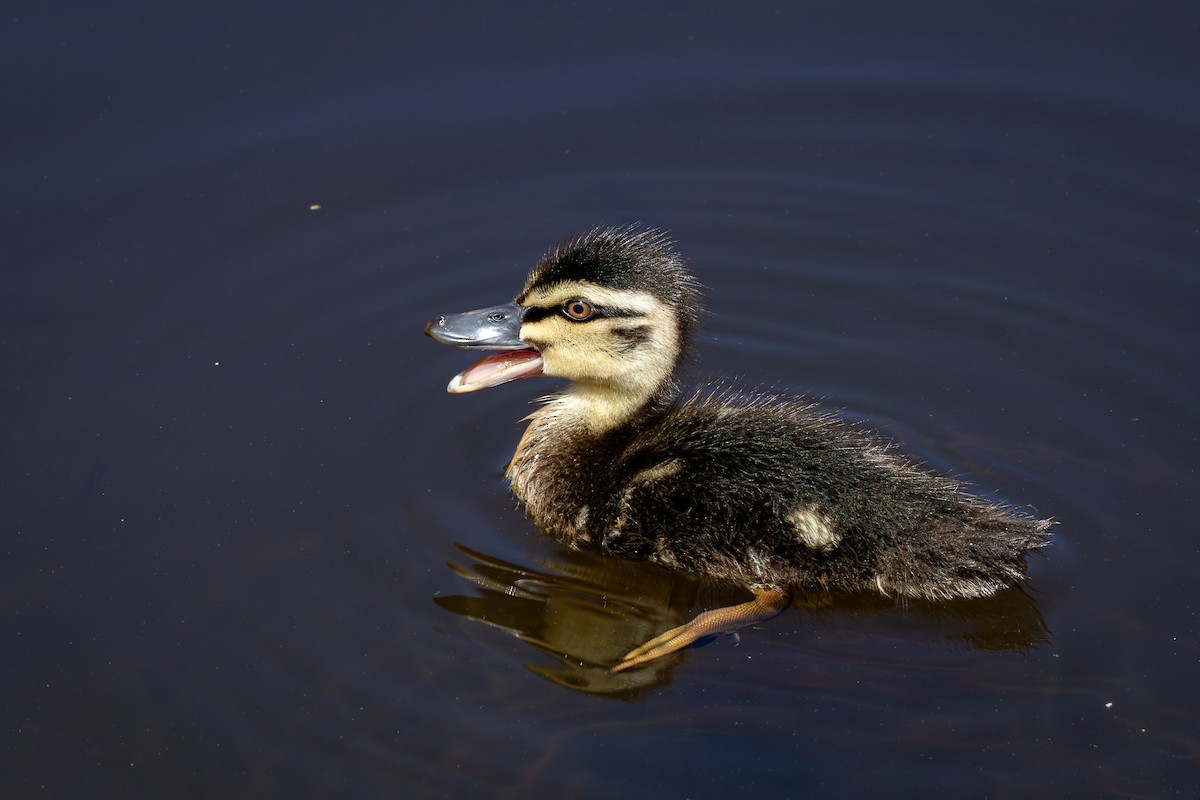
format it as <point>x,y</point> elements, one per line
<point>764,490</point>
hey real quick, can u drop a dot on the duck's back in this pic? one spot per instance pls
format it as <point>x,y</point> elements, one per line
<point>767,489</point>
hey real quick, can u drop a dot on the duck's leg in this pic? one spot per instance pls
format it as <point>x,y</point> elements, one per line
<point>768,601</point>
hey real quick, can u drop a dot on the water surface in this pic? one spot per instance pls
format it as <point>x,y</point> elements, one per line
<point>252,548</point>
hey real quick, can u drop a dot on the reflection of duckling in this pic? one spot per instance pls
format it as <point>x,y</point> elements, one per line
<point>762,490</point>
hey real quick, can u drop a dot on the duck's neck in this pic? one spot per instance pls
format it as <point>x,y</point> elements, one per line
<point>596,408</point>
<point>571,423</point>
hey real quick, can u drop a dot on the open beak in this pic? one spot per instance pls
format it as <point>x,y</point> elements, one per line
<point>496,328</point>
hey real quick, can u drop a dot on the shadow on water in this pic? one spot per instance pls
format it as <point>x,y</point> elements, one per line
<point>587,610</point>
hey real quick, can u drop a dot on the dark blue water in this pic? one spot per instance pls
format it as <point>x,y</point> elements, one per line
<point>252,549</point>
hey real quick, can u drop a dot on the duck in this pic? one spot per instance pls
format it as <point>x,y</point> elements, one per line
<point>764,490</point>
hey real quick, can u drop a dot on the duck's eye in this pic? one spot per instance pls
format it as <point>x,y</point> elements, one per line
<point>578,310</point>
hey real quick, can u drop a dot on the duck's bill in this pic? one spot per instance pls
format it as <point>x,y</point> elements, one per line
<point>496,328</point>
<point>498,368</point>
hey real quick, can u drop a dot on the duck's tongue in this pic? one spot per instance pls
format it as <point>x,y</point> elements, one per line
<point>498,368</point>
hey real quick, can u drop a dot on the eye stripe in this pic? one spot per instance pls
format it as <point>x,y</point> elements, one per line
<point>617,312</point>
<point>538,313</point>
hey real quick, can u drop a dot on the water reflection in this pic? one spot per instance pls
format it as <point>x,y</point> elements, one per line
<point>587,610</point>
<point>584,610</point>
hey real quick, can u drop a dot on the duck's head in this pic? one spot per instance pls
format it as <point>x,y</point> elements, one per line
<point>611,311</point>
